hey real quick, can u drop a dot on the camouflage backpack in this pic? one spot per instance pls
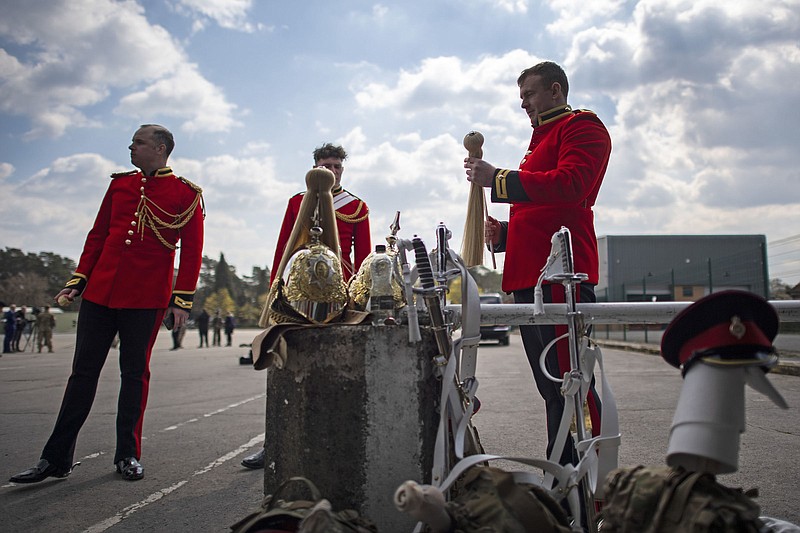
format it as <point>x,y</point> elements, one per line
<point>305,516</point>
<point>490,500</point>
<point>663,500</point>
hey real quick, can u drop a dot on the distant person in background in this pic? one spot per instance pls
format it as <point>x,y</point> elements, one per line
<point>177,337</point>
<point>9,328</point>
<point>216,325</point>
<point>230,325</point>
<point>202,326</point>
<point>45,324</point>
<point>21,320</point>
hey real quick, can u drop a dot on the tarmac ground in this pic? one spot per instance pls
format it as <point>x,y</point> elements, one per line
<point>206,412</point>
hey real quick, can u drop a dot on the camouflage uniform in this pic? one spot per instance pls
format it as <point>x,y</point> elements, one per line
<point>45,323</point>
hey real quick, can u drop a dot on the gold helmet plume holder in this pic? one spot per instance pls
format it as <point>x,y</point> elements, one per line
<point>309,286</point>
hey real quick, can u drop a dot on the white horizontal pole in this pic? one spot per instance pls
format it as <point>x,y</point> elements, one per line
<point>605,313</point>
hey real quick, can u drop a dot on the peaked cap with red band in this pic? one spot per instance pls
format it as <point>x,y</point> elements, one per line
<point>733,326</point>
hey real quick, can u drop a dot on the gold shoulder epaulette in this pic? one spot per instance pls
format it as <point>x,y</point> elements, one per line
<point>586,111</point>
<point>192,185</point>
<point>116,175</point>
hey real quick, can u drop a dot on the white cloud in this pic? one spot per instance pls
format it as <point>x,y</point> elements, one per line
<point>695,118</point>
<point>54,208</point>
<point>244,199</point>
<point>691,82</point>
<point>82,51</point>
<point>380,11</point>
<point>375,16</point>
<point>698,97</point>
<point>255,148</point>
<point>186,95</point>
<point>67,180</point>
<point>512,6</point>
<point>6,169</point>
<point>593,13</point>
<point>422,178</point>
<point>229,14</point>
<point>452,92</point>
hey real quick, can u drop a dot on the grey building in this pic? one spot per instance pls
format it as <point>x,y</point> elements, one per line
<point>636,268</point>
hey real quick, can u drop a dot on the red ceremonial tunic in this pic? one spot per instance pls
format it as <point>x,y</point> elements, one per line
<point>352,221</point>
<point>125,264</point>
<point>556,185</point>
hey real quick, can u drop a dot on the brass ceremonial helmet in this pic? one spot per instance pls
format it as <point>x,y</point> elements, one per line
<point>313,283</point>
<point>308,286</point>
<point>361,286</point>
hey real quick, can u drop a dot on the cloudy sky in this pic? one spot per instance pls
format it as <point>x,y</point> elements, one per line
<point>700,97</point>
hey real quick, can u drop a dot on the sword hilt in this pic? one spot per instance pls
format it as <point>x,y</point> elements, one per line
<point>423,263</point>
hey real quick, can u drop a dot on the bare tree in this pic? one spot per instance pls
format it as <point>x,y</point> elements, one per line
<point>25,288</point>
<point>778,290</point>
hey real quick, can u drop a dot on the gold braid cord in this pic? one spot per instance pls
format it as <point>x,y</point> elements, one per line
<point>356,217</point>
<point>148,218</point>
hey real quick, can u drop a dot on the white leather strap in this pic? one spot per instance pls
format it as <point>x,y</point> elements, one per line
<point>470,320</point>
<point>595,465</point>
<point>459,385</point>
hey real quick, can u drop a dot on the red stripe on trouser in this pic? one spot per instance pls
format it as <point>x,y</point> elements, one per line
<point>138,329</point>
<point>562,349</point>
<point>146,384</point>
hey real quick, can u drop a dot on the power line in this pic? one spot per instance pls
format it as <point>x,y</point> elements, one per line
<point>779,272</point>
<point>785,253</point>
<point>783,264</point>
<point>786,240</point>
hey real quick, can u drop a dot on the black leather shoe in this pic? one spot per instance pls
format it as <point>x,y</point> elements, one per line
<point>40,472</point>
<point>130,469</point>
<point>255,461</point>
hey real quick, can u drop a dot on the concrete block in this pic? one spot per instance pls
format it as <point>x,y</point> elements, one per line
<point>355,411</point>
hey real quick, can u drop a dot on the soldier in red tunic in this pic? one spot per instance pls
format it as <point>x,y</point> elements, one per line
<point>352,222</point>
<point>556,185</point>
<point>125,278</point>
<point>352,215</point>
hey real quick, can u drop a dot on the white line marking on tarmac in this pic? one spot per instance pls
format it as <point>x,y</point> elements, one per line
<point>176,426</point>
<point>125,513</point>
<point>230,455</point>
<point>237,404</point>
<point>128,511</point>
<point>218,411</point>
<point>94,455</point>
<point>179,424</point>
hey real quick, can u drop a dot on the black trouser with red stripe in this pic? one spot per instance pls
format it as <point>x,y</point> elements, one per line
<point>535,338</point>
<point>97,327</point>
